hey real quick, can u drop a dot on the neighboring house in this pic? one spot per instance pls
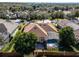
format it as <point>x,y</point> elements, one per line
<point>10,25</point>
<point>64,23</point>
<point>76,32</point>
<point>3,32</point>
<point>44,21</point>
<point>75,20</point>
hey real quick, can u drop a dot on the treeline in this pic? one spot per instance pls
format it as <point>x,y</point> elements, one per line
<point>39,15</point>
<point>35,11</point>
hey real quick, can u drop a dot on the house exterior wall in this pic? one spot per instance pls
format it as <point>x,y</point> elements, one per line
<point>77,35</point>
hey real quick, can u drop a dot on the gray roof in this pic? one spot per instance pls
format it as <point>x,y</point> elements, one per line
<point>64,23</point>
<point>10,25</point>
<point>2,28</point>
<point>53,35</point>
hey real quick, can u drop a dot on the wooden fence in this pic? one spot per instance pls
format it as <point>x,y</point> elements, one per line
<point>56,54</point>
<point>43,53</point>
<point>7,54</point>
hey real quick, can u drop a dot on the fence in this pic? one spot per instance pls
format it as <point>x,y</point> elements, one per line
<point>13,54</point>
<point>56,54</point>
<point>43,53</point>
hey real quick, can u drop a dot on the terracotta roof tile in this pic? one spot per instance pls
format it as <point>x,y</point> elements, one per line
<point>40,29</point>
<point>31,26</point>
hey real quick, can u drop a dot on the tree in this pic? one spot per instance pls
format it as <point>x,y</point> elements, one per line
<point>25,43</point>
<point>67,37</point>
<point>70,16</point>
<point>8,17</point>
<point>56,8</point>
<point>57,14</point>
<point>76,13</point>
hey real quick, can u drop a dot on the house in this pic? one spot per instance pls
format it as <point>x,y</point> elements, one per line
<point>41,30</point>
<point>4,32</point>
<point>11,26</point>
<point>45,32</point>
<point>64,23</point>
<point>44,21</point>
<point>33,27</point>
<point>76,32</point>
<point>39,45</point>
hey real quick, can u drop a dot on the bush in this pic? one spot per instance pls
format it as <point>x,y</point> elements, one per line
<point>25,43</point>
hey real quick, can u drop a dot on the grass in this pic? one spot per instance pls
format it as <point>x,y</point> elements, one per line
<point>14,33</point>
<point>11,48</point>
<point>7,47</point>
<point>52,49</point>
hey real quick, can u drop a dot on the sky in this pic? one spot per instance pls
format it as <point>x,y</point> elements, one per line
<point>52,1</point>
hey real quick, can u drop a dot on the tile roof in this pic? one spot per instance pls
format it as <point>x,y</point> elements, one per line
<point>31,26</point>
<point>42,29</point>
<point>53,27</point>
<point>48,27</point>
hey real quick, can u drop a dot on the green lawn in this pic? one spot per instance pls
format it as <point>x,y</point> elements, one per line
<point>9,46</point>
